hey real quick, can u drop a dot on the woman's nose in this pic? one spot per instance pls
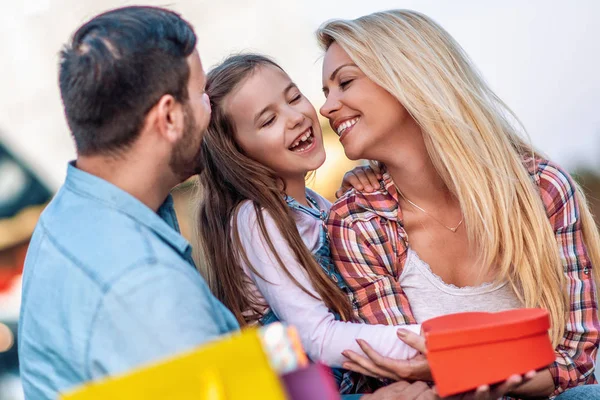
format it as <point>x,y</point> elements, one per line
<point>331,105</point>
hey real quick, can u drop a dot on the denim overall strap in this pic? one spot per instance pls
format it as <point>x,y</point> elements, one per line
<point>348,382</point>
<point>322,254</point>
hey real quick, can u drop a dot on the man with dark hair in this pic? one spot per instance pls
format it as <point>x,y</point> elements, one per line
<point>109,282</point>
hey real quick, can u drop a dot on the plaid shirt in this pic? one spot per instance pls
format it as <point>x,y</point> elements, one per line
<point>369,247</point>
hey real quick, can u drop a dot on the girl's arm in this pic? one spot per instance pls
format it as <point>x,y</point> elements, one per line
<point>323,337</point>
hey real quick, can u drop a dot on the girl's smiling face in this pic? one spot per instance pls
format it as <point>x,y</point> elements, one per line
<point>275,124</point>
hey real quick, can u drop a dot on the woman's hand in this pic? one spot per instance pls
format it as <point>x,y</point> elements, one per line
<point>378,366</point>
<point>403,390</point>
<point>417,369</point>
<point>420,391</point>
<point>495,392</point>
<point>362,178</point>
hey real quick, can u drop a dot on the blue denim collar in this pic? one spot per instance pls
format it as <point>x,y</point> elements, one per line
<point>294,204</point>
<point>163,223</point>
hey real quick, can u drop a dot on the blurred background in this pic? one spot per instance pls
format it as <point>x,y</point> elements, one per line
<point>542,57</point>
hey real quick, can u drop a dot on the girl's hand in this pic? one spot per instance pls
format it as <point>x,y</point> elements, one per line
<point>378,366</point>
<point>362,178</point>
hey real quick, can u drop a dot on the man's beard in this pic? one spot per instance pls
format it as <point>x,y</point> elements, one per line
<point>182,163</point>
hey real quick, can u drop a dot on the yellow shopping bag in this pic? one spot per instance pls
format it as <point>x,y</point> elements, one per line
<point>232,368</point>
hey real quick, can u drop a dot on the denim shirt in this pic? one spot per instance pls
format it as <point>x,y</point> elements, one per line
<point>108,285</point>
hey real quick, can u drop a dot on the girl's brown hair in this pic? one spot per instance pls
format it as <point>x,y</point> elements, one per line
<point>230,177</point>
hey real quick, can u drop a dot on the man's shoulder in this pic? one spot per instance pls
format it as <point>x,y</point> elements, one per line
<point>98,239</point>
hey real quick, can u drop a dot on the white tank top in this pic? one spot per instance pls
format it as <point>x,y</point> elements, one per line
<point>429,296</point>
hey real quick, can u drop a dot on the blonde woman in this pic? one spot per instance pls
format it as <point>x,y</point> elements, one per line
<point>469,216</point>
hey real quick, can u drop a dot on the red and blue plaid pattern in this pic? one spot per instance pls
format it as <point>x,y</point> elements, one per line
<point>369,248</point>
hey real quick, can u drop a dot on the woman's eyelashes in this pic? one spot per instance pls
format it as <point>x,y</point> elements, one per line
<point>344,83</point>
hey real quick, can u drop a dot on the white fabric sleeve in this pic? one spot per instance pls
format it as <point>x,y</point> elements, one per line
<point>322,336</point>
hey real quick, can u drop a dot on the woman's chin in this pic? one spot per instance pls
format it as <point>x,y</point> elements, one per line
<point>353,155</point>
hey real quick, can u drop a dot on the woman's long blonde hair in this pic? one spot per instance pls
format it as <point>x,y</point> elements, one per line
<point>473,141</point>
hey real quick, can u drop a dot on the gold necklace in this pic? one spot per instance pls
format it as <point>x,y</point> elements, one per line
<point>453,230</point>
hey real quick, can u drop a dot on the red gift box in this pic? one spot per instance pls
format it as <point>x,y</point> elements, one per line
<point>467,350</point>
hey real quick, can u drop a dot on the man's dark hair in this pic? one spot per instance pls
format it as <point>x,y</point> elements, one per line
<point>116,68</point>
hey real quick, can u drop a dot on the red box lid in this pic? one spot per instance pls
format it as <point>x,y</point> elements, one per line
<point>471,328</point>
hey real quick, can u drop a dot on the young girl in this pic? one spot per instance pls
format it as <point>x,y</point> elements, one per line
<point>262,231</point>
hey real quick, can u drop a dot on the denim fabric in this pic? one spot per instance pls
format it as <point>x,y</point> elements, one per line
<point>322,254</point>
<point>108,284</point>
<point>586,392</point>
<point>348,382</point>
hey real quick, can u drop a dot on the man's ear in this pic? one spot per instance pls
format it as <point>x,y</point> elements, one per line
<point>169,118</point>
